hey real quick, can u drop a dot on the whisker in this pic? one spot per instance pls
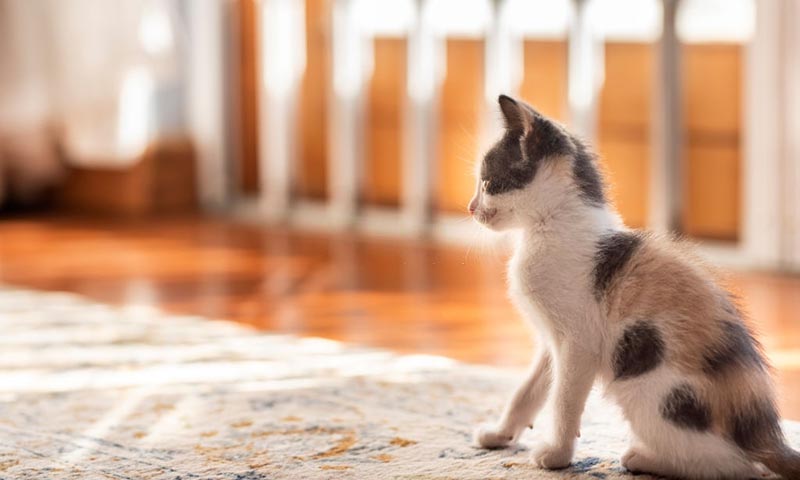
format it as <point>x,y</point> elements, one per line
<point>471,244</point>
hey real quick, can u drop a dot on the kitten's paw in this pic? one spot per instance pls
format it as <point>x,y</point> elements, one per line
<point>489,436</point>
<point>635,462</point>
<point>552,457</point>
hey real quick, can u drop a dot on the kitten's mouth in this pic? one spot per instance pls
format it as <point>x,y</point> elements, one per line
<point>486,215</point>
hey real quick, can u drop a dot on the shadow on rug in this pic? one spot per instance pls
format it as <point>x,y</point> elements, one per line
<point>89,391</point>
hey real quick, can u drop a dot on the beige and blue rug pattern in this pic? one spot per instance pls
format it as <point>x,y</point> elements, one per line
<point>89,391</point>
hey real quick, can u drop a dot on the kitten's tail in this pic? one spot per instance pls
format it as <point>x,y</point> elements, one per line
<point>783,460</point>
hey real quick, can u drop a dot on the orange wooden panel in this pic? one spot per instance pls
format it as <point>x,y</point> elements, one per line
<point>712,108</point>
<point>384,129</point>
<point>712,84</point>
<point>627,170</point>
<point>544,80</point>
<point>626,97</point>
<point>248,95</point>
<point>154,184</point>
<point>312,171</point>
<point>624,126</point>
<point>712,192</point>
<point>460,122</point>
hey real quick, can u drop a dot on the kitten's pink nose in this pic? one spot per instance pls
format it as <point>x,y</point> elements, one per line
<point>473,205</point>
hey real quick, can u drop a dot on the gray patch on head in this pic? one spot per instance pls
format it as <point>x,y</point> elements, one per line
<point>639,351</point>
<point>547,139</point>
<point>614,251</point>
<point>584,169</point>
<point>756,426</point>
<point>735,349</point>
<point>683,407</point>
<point>513,161</point>
<point>504,168</point>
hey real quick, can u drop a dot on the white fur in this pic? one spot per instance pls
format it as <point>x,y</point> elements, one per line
<point>550,283</point>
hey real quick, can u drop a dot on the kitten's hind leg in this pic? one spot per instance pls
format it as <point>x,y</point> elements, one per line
<point>524,405</point>
<point>690,456</point>
<point>638,460</point>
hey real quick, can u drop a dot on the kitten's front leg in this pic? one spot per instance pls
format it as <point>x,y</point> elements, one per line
<point>574,373</point>
<point>524,405</point>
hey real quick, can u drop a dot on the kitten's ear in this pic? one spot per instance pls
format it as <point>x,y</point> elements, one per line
<point>517,115</point>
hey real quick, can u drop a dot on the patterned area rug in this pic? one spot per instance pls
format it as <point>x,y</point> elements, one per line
<point>89,391</point>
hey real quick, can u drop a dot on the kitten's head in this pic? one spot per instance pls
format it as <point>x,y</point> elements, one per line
<point>535,168</point>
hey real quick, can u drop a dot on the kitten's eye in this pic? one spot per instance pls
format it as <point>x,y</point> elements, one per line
<point>484,185</point>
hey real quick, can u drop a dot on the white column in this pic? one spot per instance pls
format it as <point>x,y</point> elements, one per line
<point>281,61</point>
<point>666,177</point>
<point>420,120</point>
<point>584,71</point>
<point>790,60</point>
<point>346,114</point>
<point>206,99</point>
<point>763,152</point>
<point>502,68</point>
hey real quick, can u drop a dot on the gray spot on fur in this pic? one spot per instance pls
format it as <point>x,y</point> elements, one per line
<point>587,176</point>
<point>729,306</point>
<point>684,408</point>
<point>735,349</point>
<point>547,139</point>
<point>755,427</point>
<point>639,351</point>
<point>613,253</point>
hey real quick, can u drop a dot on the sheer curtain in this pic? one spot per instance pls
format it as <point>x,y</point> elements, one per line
<point>28,162</point>
<point>103,73</point>
<point>112,59</point>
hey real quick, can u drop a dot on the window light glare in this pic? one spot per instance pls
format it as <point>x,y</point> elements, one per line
<point>155,29</point>
<point>134,101</point>
<point>537,18</point>
<point>702,21</point>
<point>626,20</point>
<point>460,18</point>
<point>283,66</point>
<point>385,17</point>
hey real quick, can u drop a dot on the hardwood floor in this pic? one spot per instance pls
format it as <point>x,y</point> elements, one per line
<point>402,295</point>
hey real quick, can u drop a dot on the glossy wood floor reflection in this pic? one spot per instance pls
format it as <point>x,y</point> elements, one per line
<point>402,295</point>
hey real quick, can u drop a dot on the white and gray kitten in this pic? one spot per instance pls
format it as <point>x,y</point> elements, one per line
<point>637,312</point>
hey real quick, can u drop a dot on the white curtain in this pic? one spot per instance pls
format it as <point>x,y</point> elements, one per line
<point>28,162</point>
<point>92,69</point>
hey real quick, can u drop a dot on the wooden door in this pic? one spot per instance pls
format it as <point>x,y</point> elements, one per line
<point>248,94</point>
<point>624,124</point>
<point>384,127</point>
<point>712,108</point>
<point>544,77</point>
<point>460,116</point>
<point>311,178</point>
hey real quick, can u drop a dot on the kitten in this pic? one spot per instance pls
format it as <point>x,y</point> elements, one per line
<point>631,309</point>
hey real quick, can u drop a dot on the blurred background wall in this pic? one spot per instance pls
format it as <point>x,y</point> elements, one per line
<point>369,114</point>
